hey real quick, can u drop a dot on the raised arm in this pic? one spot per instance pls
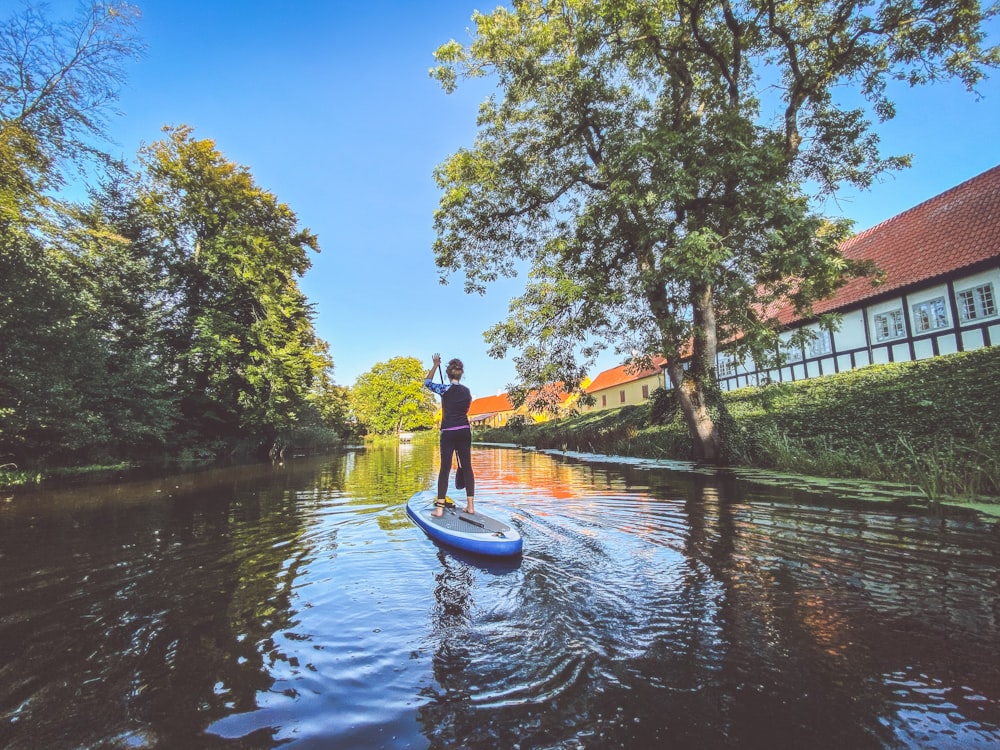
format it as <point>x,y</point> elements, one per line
<point>436,364</point>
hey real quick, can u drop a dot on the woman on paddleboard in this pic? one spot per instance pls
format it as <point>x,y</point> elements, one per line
<point>456,433</point>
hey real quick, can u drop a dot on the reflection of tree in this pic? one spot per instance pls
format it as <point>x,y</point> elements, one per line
<point>773,681</point>
<point>388,473</point>
<point>166,613</point>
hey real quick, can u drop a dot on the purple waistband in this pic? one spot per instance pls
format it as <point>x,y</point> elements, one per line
<point>460,427</point>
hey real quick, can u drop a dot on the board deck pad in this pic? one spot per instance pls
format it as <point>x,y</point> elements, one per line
<point>474,523</point>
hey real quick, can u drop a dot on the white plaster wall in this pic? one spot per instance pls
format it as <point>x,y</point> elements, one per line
<point>852,332</point>
<point>972,340</point>
<point>922,349</point>
<point>948,344</point>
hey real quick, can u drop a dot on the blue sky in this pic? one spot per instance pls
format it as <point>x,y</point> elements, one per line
<point>330,106</point>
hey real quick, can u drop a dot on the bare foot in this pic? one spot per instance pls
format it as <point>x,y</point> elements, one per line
<point>470,508</point>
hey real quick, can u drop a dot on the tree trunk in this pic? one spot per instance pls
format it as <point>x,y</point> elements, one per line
<point>706,444</point>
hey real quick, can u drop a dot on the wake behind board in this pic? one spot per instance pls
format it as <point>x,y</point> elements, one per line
<point>476,532</point>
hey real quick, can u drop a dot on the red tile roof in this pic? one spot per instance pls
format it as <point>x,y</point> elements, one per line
<point>624,374</point>
<point>954,230</point>
<point>490,405</point>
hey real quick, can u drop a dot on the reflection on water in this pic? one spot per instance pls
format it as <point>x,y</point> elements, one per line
<point>296,605</point>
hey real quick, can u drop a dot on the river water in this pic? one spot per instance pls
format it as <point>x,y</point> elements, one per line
<point>297,606</point>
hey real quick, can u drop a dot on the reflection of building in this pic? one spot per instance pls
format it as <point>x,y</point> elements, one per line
<point>626,385</point>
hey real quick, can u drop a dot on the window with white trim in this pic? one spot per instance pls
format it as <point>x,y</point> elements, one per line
<point>930,315</point>
<point>622,395</point>
<point>821,344</point>
<point>793,352</point>
<point>977,302</point>
<point>889,325</point>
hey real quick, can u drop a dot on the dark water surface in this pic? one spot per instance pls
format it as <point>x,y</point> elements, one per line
<point>265,606</point>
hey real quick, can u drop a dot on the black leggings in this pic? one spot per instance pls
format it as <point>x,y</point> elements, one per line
<point>456,441</point>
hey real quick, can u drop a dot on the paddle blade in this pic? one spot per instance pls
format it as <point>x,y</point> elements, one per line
<point>459,479</point>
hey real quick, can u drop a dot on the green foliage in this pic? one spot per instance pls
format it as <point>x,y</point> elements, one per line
<point>921,400</point>
<point>391,397</point>
<point>162,318</point>
<point>242,335</point>
<point>647,162</point>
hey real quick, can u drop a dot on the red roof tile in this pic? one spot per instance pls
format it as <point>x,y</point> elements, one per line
<point>490,405</point>
<point>624,374</point>
<point>954,230</point>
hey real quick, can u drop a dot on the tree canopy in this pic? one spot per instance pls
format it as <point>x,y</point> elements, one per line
<point>391,397</point>
<point>241,331</point>
<point>163,315</point>
<point>652,165</point>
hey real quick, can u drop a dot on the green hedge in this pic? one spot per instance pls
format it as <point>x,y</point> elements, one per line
<point>922,401</point>
<point>934,423</point>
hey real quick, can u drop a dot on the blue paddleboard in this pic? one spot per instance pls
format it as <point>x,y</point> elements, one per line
<point>471,532</point>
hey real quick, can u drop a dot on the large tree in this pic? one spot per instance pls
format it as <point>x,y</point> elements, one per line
<point>651,164</point>
<point>391,397</point>
<point>241,342</point>
<point>58,81</point>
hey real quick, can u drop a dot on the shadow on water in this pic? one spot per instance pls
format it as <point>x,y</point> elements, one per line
<point>256,607</point>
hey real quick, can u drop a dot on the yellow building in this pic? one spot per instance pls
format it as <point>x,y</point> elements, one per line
<point>541,405</point>
<point>625,385</point>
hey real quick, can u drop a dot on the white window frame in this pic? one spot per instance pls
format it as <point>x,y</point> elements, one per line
<point>930,315</point>
<point>889,325</point>
<point>821,344</point>
<point>793,352</point>
<point>977,302</point>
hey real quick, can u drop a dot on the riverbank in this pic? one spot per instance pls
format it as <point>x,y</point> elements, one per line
<point>932,424</point>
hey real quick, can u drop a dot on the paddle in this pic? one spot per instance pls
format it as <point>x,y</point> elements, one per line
<point>459,472</point>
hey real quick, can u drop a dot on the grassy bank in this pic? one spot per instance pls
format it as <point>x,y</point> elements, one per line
<point>934,424</point>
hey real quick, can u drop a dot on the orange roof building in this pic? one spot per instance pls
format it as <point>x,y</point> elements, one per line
<point>625,385</point>
<point>491,411</point>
